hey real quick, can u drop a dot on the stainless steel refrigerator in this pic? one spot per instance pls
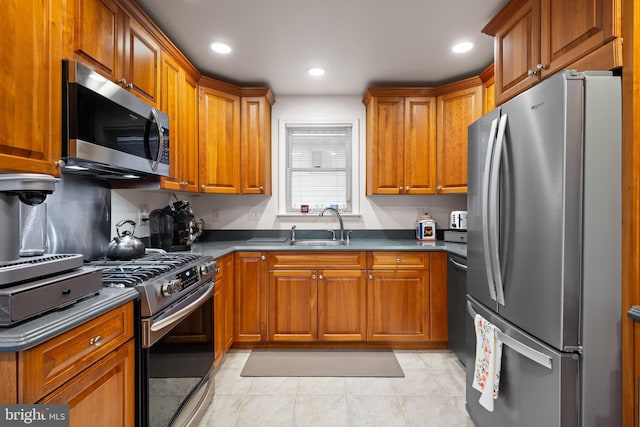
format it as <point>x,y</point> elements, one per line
<point>544,252</point>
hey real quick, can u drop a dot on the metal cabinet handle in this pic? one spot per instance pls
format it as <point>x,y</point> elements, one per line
<point>531,73</point>
<point>398,261</point>
<point>371,277</point>
<point>439,188</point>
<point>60,163</point>
<point>541,67</point>
<point>263,257</point>
<point>320,277</point>
<point>313,276</point>
<point>261,189</point>
<point>123,82</point>
<point>406,189</point>
<point>96,341</point>
<point>400,189</point>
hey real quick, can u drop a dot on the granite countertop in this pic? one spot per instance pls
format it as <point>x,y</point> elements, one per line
<point>26,335</point>
<point>218,249</point>
<point>33,332</point>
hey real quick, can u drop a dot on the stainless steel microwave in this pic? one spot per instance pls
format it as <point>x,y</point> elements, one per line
<point>107,131</point>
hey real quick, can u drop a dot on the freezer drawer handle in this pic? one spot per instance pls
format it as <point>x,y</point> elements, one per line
<point>526,351</point>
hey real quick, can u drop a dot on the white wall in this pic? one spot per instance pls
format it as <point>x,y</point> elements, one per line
<point>260,212</point>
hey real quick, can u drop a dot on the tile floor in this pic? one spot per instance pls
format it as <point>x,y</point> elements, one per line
<point>430,394</point>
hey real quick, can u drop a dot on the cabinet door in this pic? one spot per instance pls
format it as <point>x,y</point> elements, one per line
<point>293,313</point>
<point>219,141</point>
<point>255,146</point>
<point>142,63</point>
<point>170,91</point>
<point>218,320</point>
<point>342,305</point>
<point>572,28</point>
<point>250,299</point>
<point>188,134</point>
<point>227,271</point>
<point>98,36</point>
<point>31,73</point>
<point>438,305</point>
<point>420,145</point>
<point>456,111</point>
<point>517,51</point>
<point>398,305</point>
<point>104,394</point>
<point>385,145</point>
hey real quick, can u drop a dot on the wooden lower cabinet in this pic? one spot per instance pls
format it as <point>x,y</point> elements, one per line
<point>398,305</point>
<point>250,316</point>
<point>293,314</point>
<point>342,305</point>
<point>309,301</point>
<point>407,297</point>
<point>223,307</point>
<point>90,367</point>
<point>103,395</point>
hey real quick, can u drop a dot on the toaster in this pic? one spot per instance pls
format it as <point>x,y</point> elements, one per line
<point>458,220</point>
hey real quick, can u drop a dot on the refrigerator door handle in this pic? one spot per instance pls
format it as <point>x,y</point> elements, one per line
<point>520,348</point>
<point>486,247</point>
<point>494,209</point>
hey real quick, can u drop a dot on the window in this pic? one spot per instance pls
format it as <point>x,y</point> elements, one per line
<point>319,167</point>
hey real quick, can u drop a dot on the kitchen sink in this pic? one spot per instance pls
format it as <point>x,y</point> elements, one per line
<point>318,242</point>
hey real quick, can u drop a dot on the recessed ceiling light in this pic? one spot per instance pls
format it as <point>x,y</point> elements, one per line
<point>220,47</point>
<point>462,47</point>
<point>316,71</point>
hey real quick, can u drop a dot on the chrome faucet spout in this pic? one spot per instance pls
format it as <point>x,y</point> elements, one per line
<point>335,211</point>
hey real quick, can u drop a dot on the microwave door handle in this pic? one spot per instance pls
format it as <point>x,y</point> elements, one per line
<point>520,348</point>
<point>485,210</point>
<point>156,118</point>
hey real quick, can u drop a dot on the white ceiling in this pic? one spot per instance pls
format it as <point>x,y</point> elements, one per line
<point>361,43</point>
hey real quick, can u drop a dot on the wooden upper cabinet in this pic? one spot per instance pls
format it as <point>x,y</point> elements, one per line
<point>536,38</point>
<point>572,29</point>
<point>255,143</point>
<point>142,62</point>
<point>31,72</point>
<point>401,139</point>
<point>419,145</point>
<point>219,141</point>
<point>457,109</point>
<point>106,39</point>
<point>179,99</point>
<point>488,89</point>
<point>98,35</point>
<point>517,48</point>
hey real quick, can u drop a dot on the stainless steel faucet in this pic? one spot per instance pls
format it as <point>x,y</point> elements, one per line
<point>293,233</point>
<point>335,211</point>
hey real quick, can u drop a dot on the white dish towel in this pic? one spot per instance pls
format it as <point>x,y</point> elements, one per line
<point>486,378</point>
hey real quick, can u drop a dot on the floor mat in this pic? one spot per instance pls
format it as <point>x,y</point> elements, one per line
<point>322,363</point>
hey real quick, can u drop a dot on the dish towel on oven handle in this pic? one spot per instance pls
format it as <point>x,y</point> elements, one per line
<point>486,377</point>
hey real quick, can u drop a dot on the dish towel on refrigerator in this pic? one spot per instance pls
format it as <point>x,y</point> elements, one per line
<point>486,377</point>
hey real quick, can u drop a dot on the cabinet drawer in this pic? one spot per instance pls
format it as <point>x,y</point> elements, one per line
<point>52,363</point>
<point>398,260</point>
<point>320,259</point>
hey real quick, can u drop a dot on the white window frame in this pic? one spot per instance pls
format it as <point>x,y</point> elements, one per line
<point>282,161</point>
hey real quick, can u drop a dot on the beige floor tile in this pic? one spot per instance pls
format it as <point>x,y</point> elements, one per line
<point>375,411</point>
<point>223,411</point>
<point>432,411</point>
<point>266,411</point>
<point>273,385</point>
<point>418,382</point>
<point>321,385</point>
<point>369,386</point>
<point>229,381</point>
<point>451,381</point>
<point>320,411</point>
<point>410,360</point>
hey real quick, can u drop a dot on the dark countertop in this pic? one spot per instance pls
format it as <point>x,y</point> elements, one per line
<point>33,332</point>
<point>40,329</point>
<point>218,249</point>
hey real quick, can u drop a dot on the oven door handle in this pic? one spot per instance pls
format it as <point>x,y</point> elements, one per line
<point>182,313</point>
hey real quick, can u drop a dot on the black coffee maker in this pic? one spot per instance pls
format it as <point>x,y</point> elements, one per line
<point>173,227</point>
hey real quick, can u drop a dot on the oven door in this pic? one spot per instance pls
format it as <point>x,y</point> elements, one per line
<point>177,361</point>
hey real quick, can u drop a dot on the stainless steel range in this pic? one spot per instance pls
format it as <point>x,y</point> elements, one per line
<point>175,329</point>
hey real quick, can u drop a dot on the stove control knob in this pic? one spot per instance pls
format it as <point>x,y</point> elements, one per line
<point>172,287</point>
<point>208,268</point>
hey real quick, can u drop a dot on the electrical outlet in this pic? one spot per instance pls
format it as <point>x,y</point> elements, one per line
<point>253,216</point>
<point>422,211</point>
